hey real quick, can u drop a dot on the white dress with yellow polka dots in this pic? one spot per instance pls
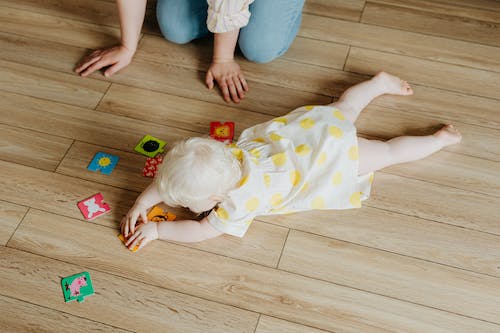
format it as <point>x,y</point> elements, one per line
<point>305,160</point>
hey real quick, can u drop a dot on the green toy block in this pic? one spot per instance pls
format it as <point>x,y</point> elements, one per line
<point>150,146</point>
<point>77,287</point>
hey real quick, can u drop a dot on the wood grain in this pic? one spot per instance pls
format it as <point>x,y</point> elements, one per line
<point>10,217</point>
<point>248,286</point>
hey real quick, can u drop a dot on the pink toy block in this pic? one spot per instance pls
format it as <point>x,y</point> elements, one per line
<point>93,207</point>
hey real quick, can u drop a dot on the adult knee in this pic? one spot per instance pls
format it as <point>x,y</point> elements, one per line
<point>172,17</point>
<point>259,50</point>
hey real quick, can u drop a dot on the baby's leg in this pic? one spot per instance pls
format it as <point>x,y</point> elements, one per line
<point>375,155</point>
<point>357,97</point>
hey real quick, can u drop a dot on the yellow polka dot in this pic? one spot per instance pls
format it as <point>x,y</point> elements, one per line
<point>222,213</point>
<point>337,178</point>
<point>372,176</point>
<point>339,115</point>
<point>279,159</point>
<point>355,199</point>
<point>243,181</point>
<point>318,203</point>
<point>238,153</point>
<point>353,153</point>
<point>305,187</point>
<point>254,160</point>
<point>321,158</point>
<point>276,200</point>
<point>309,107</point>
<point>335,131</point>
<point>307,123</point>
<point>282,120</point>
<point>255,152</point>
<point>261,140</point>
<point>252,204</point>
<point>275,137</point>
<point>303,150</point>
<point>294,177</point>
<point>267,180</point>
<point>232,145</point>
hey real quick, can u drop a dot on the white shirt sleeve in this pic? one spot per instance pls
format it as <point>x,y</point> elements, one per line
<point>227,15</point>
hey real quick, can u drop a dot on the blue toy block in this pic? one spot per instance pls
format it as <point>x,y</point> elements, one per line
<point>105,163</point>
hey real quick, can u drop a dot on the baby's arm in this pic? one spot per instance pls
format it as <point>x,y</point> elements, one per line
<point>187,231</point>
<point>146,200</point>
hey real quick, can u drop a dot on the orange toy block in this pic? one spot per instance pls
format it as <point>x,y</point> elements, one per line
<point>222,131</point>
<point>157,214</point>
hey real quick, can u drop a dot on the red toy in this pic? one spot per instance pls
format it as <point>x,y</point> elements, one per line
<point>222,131</point>
<point>151,166</point>
<point>93,207</point>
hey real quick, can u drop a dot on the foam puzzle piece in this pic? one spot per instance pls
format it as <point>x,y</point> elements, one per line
<point>222,131</point>
<point>150,146</point>
<point>103,162</point>
<point>77,287</point>
<point>151,166</point>
<point>157,214</point>
<point>120,236</point>
<point>93,207</point>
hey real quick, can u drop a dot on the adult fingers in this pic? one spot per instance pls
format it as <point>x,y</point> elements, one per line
<point>132,239</point>
<point>96,66</point>
<point>142,242</point>
<point>224,88</point>
<point>115,68</point>
<point>209,80</point>
<point>136,242</point>
<point>232,90</point>
<point>243,81</point>
<point>86,63</point>
<point>239,87</point>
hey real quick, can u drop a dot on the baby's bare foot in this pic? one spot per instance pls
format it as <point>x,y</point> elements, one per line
<point>448,135</point>
<point>391,84</point>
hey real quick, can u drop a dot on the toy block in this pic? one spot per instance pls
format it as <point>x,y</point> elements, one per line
<point>223,132</point>
<point>120,236</point>
<point>150,146</point>
<point>105,163</point>
<point>157,214</point>
<point>152,165</point>
<point>93,207</point>
<point>77,287</point>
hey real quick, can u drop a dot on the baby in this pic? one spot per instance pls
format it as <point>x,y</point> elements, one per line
<point>308,159</point>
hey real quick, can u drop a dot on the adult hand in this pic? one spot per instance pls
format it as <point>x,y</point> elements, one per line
<point>117,57</point>
<point>143,235</point>
<point>229,78</point>
<point>129,222</point>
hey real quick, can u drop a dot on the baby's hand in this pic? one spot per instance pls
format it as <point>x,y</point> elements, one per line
<point>130,220</point>
<point>143,235</point>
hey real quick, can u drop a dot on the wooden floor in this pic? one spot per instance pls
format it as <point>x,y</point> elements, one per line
<point>422,255</point>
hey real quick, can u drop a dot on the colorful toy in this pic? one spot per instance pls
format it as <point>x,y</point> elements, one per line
<point>124,241</point>
<point>103,162</point>
<point>77,287</point>
<point>151,166</point>
<point>150,146</point>
<point>222,131</point>
<point>157,214</point>
<point>93,207</point>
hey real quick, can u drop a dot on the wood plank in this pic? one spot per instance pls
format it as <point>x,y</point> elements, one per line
<point>116,299</point>
<point>466,293</point>
<point>51,28</point>
<point>19,316</point>
<point>317,52</point>
<point>346,10</point>
<point>39,150</point>
<point>10,216</point>
<point>405,235</point>
<point>262,244</point>
<point>174,111</point>
<point>414,70</point>
<point>436,202</point>
<point>248,286</point>
<point>401,42</point>
<point>269,325</point>
<point>440,22</point>
<point>483,10</point>
<point>60,87</point>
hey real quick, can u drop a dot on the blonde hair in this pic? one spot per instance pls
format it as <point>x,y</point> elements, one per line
<point>195,169</point>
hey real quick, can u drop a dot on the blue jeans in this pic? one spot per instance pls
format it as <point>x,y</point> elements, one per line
<point>271,30</point>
